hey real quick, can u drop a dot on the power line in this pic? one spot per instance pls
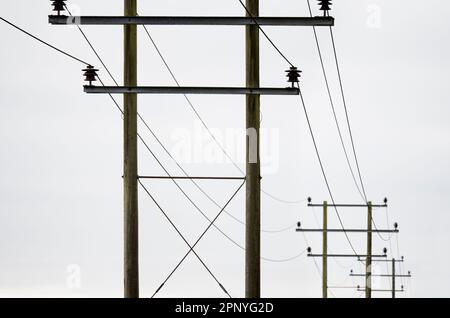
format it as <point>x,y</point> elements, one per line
<point>146,145</point>
<point>388,222</point>
<point>284,260</point>
<point>379,234</point>
<point>335,259</point>
<point>346,113</point>
<point>399,257</point>
<point>166,171</point>
<point>333,108</point>
<point>319,271</point>
<point>202,121</point>
<point>85,63</point>
<point>323,169</point>
<point>44,42</point>
<point>160,142</point>
<point>349,127</point>
<point>267,259</point>
<point>265,34</point>
<point>305,238</point>
<point>176,183</point>
<point>363,192</point>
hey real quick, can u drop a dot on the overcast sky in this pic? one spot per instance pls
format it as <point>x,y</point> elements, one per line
<point>61,150</point>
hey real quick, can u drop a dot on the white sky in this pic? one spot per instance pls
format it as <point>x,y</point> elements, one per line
<point>61,150</point>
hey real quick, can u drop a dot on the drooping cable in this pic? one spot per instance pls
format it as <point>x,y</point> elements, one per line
<point>319,271</point>
<point>166,150</point>
<point>361,191</point>
<point>44,42</point>
<point>213,137</point>
<point>267,259</point>
<point>346,113</point>
<point>265,34</point>
<point>323,169</point>
<point>146,145</point>
<point>327,84</point>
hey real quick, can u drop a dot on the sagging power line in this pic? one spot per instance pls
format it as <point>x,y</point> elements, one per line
<point>91,78</point>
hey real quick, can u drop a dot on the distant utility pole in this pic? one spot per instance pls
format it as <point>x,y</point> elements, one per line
<point>369,252</point>
<point>253,185</point>
<point>130,166</point>
<point>393,278</point>
<point>325,251</point>
<point>325,230</point>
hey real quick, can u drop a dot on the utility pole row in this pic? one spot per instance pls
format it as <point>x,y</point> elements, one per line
<point>130,89</point>
<point>325,230</point>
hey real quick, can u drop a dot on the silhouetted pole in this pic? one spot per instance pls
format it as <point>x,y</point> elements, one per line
<point>131,237</point>
<point>325,251</point>
<point>369,252</point>
<point>253,185</point>
<point>393,278</point>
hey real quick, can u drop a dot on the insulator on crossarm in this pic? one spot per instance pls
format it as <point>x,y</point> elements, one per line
<point>90,74</point>
<point>325,7</point>
<point>293,74</point>
<point>58,5</point>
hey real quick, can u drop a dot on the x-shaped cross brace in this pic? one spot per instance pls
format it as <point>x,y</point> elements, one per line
<point>191,248</point>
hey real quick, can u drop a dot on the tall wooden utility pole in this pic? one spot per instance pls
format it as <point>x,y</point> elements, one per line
<point>369,252</point>
<point>393,278</point>
<point>130,177</point>
<point>325,251</point>
<point>253,185</point>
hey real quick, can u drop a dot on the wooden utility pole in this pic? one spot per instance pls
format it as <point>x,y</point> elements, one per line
<point>393,278</point>
<point>253,185</point>
<point>325,251</point>
<point>369,252</point>
<point>130,177</point>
